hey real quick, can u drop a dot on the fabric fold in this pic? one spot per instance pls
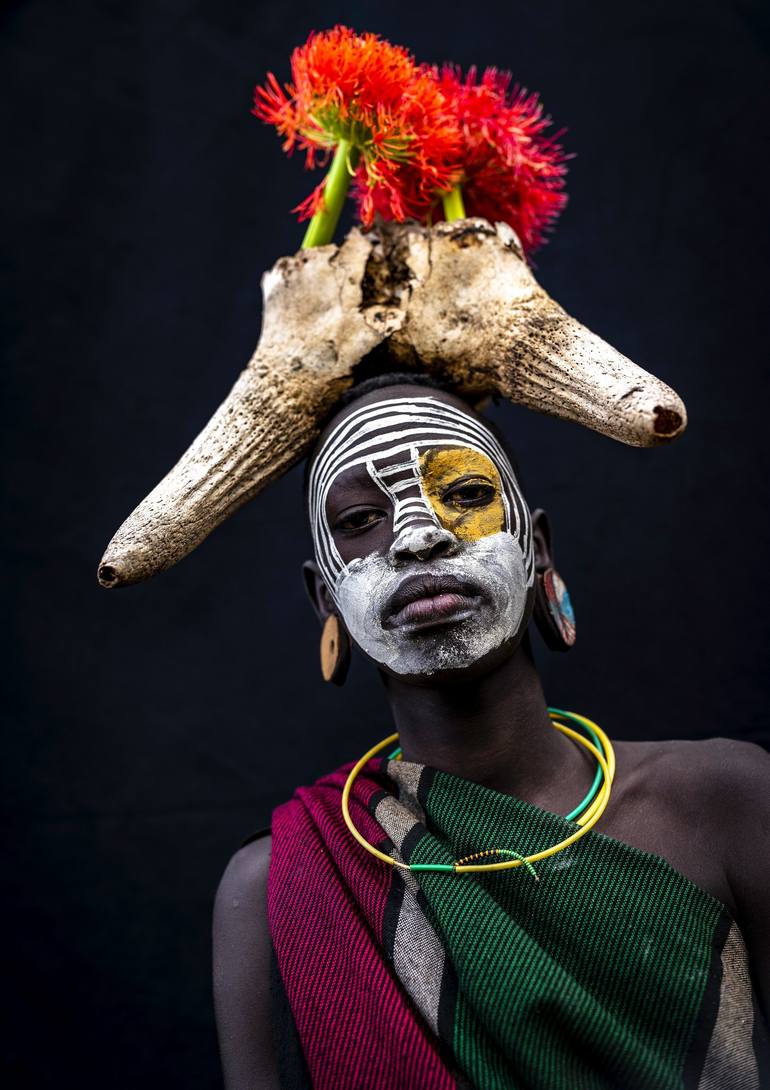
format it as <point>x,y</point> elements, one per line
<point>607,972</point>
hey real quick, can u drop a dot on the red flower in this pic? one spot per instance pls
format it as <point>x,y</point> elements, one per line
<point>360,88</point>
<point>509,168</point>
<point>513,169</point>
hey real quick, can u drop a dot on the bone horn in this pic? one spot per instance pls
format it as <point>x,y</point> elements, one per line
<point>477,311</point>
<point>314,330</point>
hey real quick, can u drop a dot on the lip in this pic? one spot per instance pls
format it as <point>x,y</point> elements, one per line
<point>429,599</point>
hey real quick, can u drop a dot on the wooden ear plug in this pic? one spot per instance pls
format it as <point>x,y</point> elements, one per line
<point>335,650</point>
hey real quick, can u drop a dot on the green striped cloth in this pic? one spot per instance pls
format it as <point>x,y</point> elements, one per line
<point>612,971</point>
<point>606,971</point>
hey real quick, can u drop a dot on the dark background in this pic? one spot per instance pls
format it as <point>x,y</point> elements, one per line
<point>149,730</point>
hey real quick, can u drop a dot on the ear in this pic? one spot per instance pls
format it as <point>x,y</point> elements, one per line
<point>541,539</point>
<point>317,591</point>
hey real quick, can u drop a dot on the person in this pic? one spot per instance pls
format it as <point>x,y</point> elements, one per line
<point>638,955</point>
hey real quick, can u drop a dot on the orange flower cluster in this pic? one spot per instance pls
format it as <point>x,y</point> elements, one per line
<point>362,89</point>
<point>415,132</point>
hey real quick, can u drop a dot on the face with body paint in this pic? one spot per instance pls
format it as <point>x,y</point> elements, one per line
<point>422,537</point>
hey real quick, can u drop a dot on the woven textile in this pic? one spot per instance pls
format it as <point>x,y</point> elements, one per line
<point>611,971</point>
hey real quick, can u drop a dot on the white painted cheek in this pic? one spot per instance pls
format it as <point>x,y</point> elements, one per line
<point>495,563</point>
<point>362,594</point>
<point>500,558</point>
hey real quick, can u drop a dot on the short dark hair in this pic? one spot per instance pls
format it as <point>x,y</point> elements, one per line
<point>391,378</point>
<point>403,378</point>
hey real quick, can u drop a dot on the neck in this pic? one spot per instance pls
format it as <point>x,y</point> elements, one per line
<point>492,729</point>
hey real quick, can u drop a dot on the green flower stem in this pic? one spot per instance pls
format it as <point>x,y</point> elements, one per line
<point>322,226</point>
<point>454,209</point>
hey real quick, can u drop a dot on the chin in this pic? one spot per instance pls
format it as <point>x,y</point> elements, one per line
<point>459,651</point>
<point>445,669</point>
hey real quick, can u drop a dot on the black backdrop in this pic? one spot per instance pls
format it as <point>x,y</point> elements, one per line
<point>149,730</point>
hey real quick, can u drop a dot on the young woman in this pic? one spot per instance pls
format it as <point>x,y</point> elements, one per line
<point>498,939</point>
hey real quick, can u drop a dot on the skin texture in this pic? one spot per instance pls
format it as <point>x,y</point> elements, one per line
<point>704,806</point>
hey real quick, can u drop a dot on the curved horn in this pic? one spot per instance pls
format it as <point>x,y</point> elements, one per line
<point>470,306</point>
<point>477,311</point>
<point>314,331</point>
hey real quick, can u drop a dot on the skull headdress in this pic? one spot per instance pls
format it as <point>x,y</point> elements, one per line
<point>456,298</point>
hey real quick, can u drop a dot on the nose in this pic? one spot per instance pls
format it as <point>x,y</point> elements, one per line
<point>422,543</point>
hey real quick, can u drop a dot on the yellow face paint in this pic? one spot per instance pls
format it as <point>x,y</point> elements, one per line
<point>464,489</point>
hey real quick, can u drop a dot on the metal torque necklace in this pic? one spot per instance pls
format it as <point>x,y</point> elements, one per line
<point>585,815</point>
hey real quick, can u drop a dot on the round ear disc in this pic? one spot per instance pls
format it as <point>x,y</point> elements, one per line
<point>335,650</point>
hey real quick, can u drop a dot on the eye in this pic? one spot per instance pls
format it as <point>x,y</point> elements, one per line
<point>357,519</point>
<point>470,493</point>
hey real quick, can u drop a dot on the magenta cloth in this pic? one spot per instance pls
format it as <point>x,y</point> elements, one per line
<point>358,1027</point>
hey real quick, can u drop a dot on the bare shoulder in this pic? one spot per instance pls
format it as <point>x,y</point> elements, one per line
<point>701,805</point>
<point>702,770</point>
<point>241,961</point>
<point>718,791</point>
<point>245,877</point>
<point>240,914</point>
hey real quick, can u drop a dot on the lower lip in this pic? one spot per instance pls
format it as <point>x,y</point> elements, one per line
<point>428,612</point>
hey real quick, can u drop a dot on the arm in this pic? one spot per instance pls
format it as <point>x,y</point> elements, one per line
<point>241,954</point>
<point>744,809</point>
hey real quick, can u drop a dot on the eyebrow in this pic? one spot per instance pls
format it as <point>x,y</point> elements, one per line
<point>355,477</point>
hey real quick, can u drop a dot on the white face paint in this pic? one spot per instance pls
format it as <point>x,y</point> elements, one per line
<point>495,564</point>
<point>453,585</point>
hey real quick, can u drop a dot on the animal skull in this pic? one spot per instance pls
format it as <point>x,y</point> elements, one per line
<point>457,298</point>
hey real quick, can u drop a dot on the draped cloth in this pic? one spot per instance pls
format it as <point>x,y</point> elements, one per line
<point>612,970</point>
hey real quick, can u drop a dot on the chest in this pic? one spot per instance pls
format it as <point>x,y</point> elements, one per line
<point>669,827</point>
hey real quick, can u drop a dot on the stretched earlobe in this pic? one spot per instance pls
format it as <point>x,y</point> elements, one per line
<point>553,611</point>
<point>335,650</point>
<point>316,590</point>
<point>336,645</point>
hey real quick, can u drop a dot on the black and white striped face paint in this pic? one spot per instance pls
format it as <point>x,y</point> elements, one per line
<point>454,581</point>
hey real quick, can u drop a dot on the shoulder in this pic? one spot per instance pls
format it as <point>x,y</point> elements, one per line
<point>702,805</point>
<point>729,782</point>
<point>241,962</point>
<point>240,912</point>
<point>736,787</point>
<point>723,772</point>
<point>245,876</point>
<point>703,772</point>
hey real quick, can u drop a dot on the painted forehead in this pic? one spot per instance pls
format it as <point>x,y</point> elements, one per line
<point>393,440</point>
